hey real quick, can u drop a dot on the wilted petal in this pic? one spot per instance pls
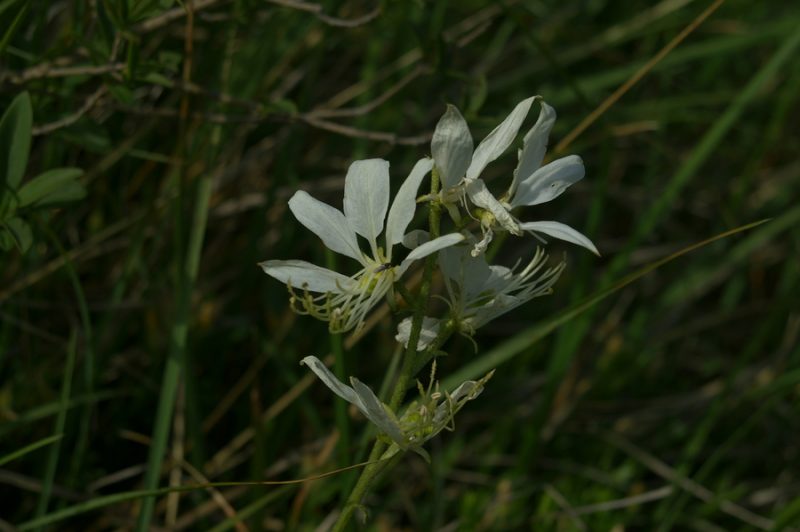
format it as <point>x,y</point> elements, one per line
<point>534,147</point>
<point>451,147</point>
<point>428,333</point>
<point>469,390</point>
<point>562,232</point>
<point>429,247</point>
<point>330,380</point>
<point>375,411</point>
<point>405,204</point>
<point>366,196</point>
<point>499,139</point>
<point>480,196</point>
<point>549,181</point>
<point>327,223</point>
<point>466,392</point>
<point>482,245</point>
<point>304,275</point>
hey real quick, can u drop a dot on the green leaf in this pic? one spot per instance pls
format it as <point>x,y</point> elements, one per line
<point>89,138</point>
<point>148,8</point>
<point>157,78</point>
<point>282,106</point>
<point>17,233</point>
<point>15,139</point>
<point>59,185</point>
<point>123,94</point>
<point>8,203</point>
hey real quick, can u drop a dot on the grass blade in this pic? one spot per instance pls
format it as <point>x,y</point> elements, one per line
<point>61,421</point>
<point>44,442</point>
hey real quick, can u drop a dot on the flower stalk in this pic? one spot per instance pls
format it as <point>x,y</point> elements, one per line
<point>375,467</point>
<point>477,291</point>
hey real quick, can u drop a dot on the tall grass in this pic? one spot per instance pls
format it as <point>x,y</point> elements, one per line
<point>665,401</point>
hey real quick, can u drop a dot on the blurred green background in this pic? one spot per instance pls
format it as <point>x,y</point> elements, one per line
<point>673,404</point>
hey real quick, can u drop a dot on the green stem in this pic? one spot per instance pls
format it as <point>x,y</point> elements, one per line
<point>371,471</point>
<point>430,353</point>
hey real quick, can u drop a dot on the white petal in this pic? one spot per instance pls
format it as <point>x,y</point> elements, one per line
<point>451,147</point>
<point>404,204</point>
<point>534,147</point>
<point>304,275</point>
<point>429,247</point>
<point>480,196</point>
<point>477,276</point>
<point>450,263</point>
<point>375,411</point>
<point>499,139</point>
<point>330,380</point>
<point>327,223</point>
<point>415,238</point>
<point>562,232</point>
<point>470,273</point>
<point>366,196</point>
<point>549,181</point>
<point>428,333</point>
<point>495,308</point>
<point>498,278</point>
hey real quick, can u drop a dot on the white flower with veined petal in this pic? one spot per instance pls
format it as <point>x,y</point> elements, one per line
<point>478,293</point>
<point>344,301</point>
<point>459,169</point>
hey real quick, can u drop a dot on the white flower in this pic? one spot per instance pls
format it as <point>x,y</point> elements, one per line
<point>344,301</point>
<point>421,421</point>
<point>478,293</point>
<point>459,169</point>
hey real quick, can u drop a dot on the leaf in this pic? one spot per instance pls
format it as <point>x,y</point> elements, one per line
<point>8,203</point>
<point>59,185</point>
<point>123,94</point>
<point>17,233</point>
<point>15,139</point>
<point>12,28</point>
<point>157,78</point>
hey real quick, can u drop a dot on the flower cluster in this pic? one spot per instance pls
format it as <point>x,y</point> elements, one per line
<point>477,292</point>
